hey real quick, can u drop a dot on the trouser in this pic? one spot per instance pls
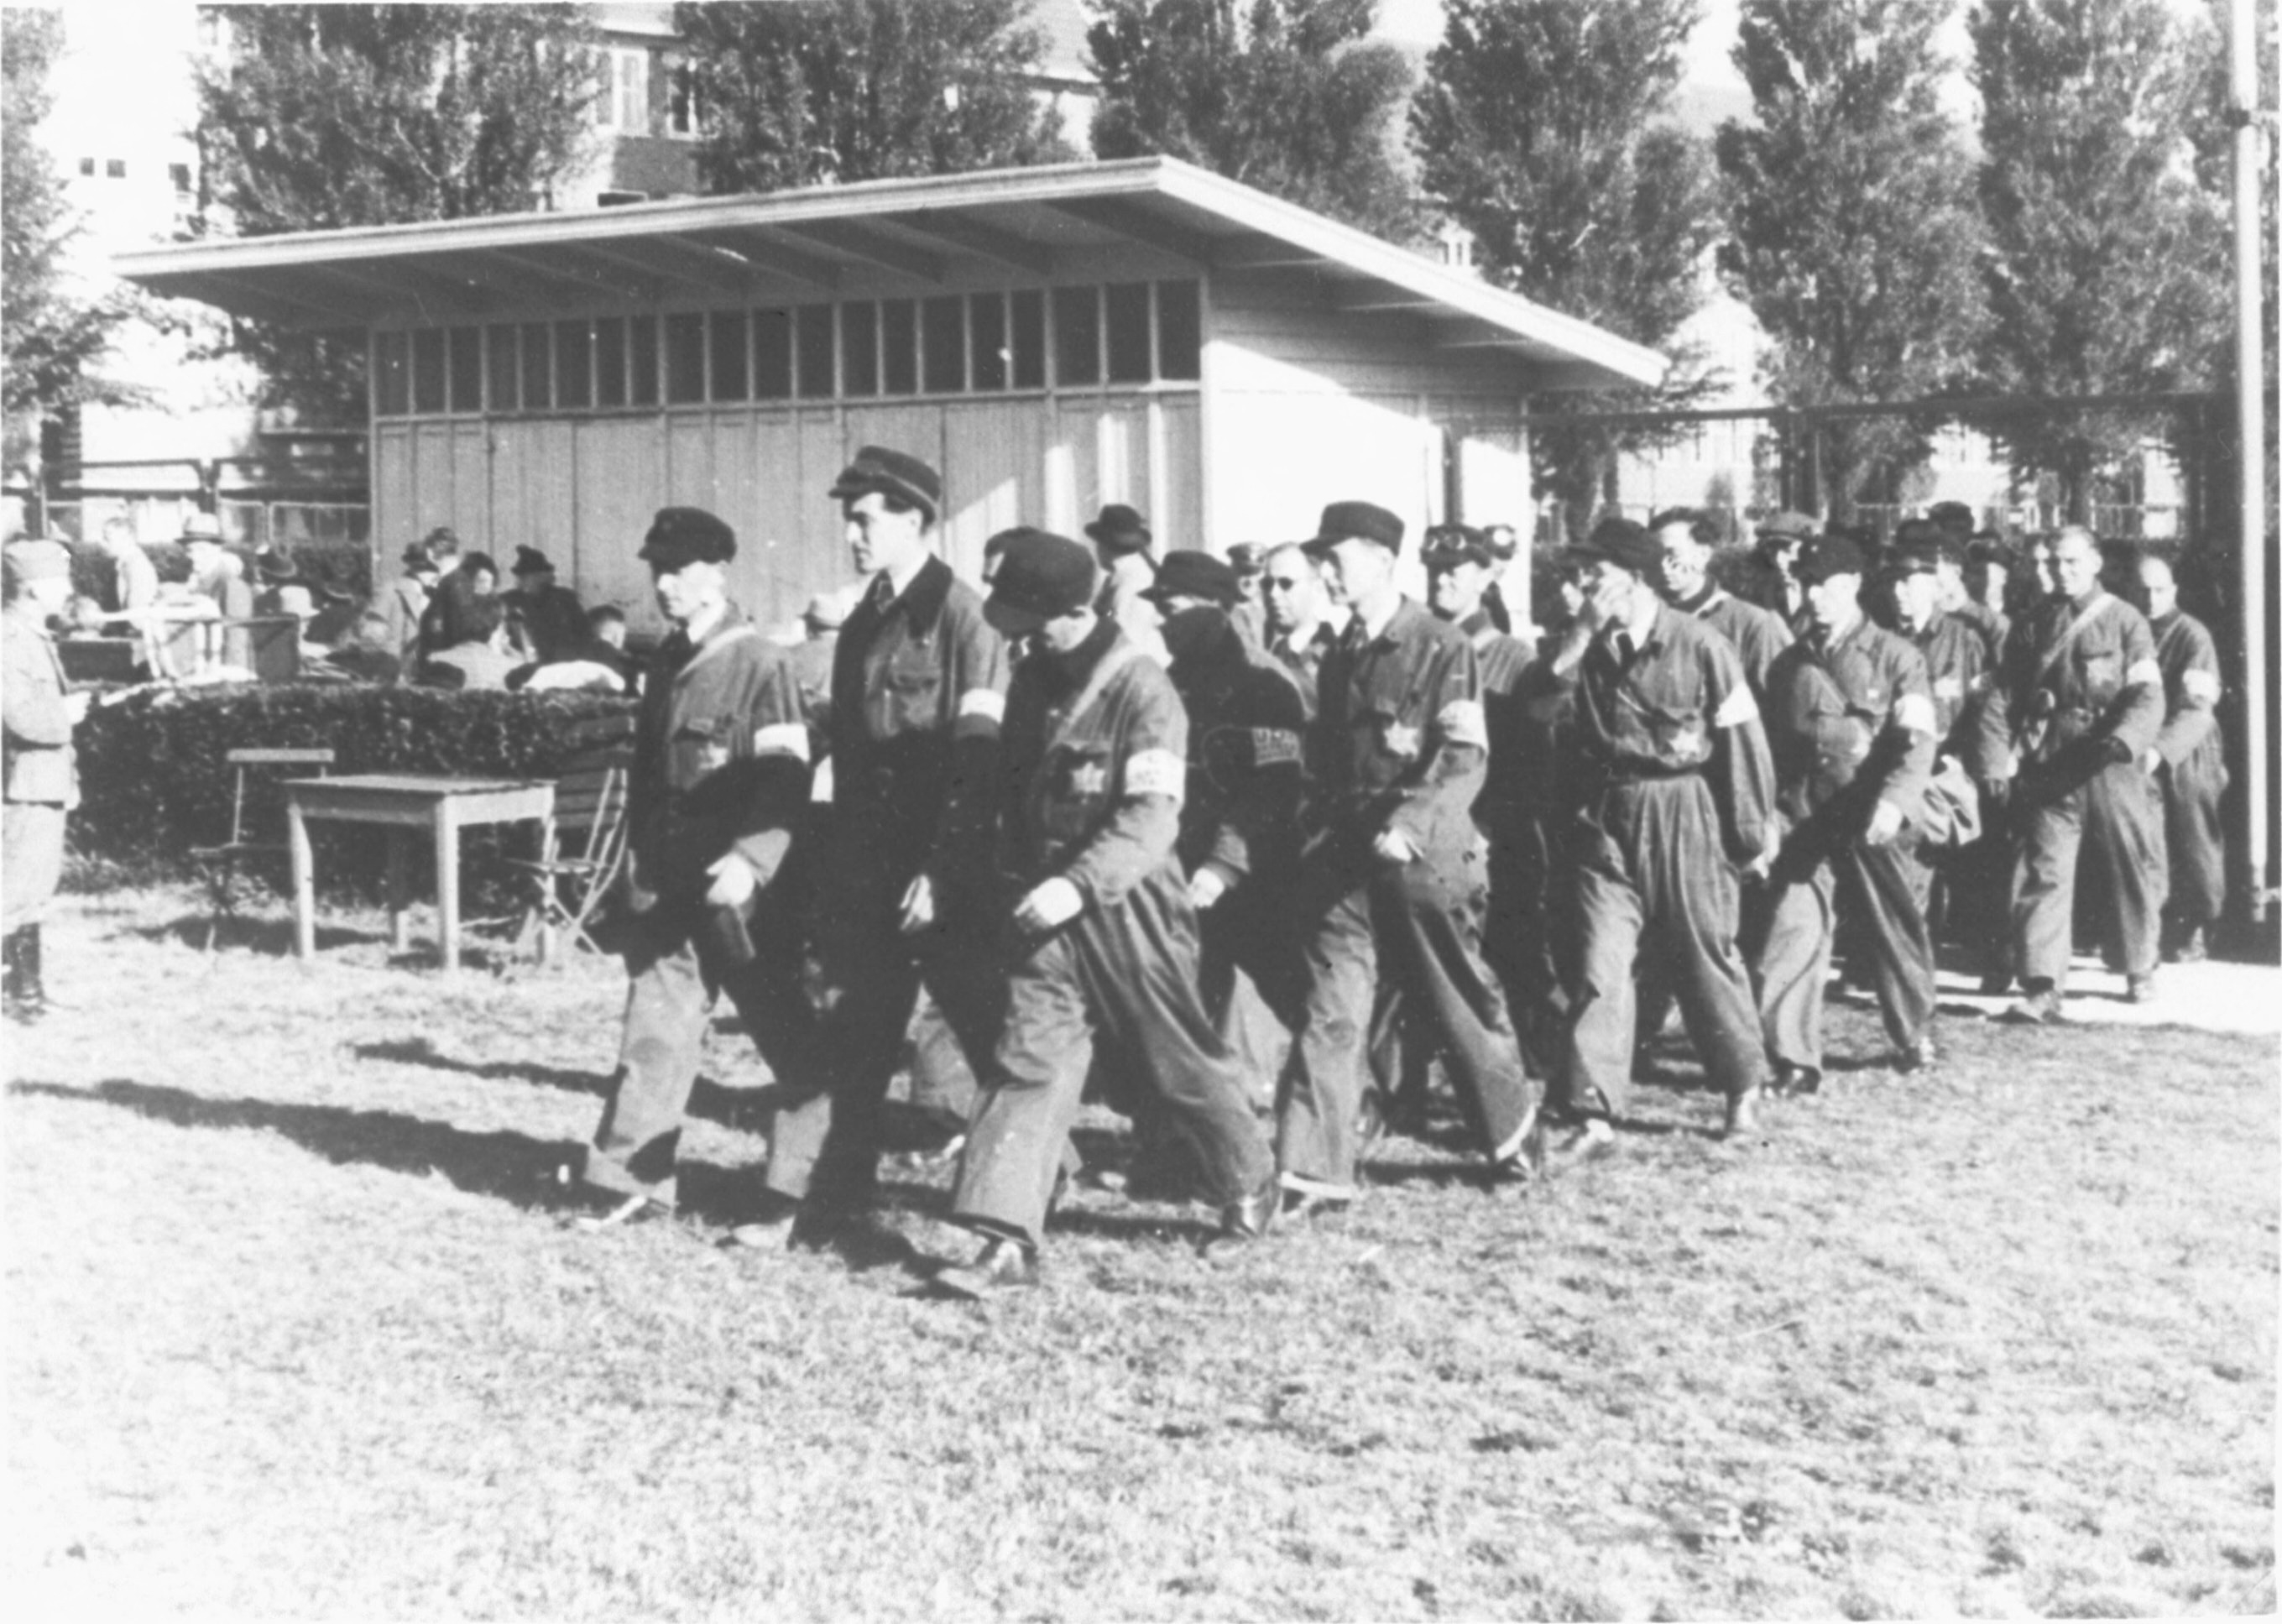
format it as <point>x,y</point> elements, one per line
<point>1539,1003</point>
<point>824,1143</point>
<point>1125,978</point>
<point>2111,821</point>
<point>1254,987</point>
<point>31,859</point>
<point>1648,881</point>
<point>1881,887</point>
<point>2195,842</point>
<point>1396,947</point>
<point>1981,878</point>
<point>676,964</point>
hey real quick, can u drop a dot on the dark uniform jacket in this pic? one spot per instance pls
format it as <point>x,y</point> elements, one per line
<point>1096,764</point>
<point>1758,635</point>
<point>2076,676</point>
<point>1246,721</point>
<point>1501,660</point>
<point>1302,663</point>
<point>39,763</point>
<point>1400,741</point>
<point>720,759</point>
<point>1992,627</point>
<point>1538,729</point>
<point>554,621</point>
<point>2189,739</point>
<point>1680,704</point>
<point>918,693</point>
<point>1849,724</point>
<point>1957,676</point>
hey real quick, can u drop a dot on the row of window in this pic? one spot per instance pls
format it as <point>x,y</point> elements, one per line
<point>1122,332</point>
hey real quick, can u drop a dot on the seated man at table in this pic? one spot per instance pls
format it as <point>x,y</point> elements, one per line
<point>481,659</point>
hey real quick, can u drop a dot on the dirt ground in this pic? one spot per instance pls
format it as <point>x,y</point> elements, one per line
<point>296,1330</point>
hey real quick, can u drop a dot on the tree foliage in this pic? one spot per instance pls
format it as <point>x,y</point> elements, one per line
<point>1292,96</point>
<point>55,338</point>
<point>840,90</point>
<point>1854,232</point>
<point>324,116</point>
<point>2106,262</point>
<point>1540,129</point>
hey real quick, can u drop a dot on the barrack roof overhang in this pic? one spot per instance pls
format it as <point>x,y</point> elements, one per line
<point>801,245</point>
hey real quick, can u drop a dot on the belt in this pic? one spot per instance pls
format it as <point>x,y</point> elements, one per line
<point>1642,774</point>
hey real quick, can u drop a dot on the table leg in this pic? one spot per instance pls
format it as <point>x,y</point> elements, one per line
<point>550,942</point>
<point>305,882</point>
<point>447,884</point>
<point>399,885</point>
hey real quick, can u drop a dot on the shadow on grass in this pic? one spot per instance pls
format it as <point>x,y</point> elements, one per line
<point>271,938</point>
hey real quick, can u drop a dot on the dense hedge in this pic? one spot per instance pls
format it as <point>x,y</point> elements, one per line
<point>154,780</point>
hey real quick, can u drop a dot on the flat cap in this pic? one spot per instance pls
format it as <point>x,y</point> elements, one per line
<point>1789,525</point>
<point>1121,529</point>
<point>1455,544</point>
<point>891,473</point>
<point>201,527</point>
<point>1360,521</point>
<point>1623,542</point>
<point>31,559</point>
<point>1247,557</point>
<point>1042,574</point>
<point>531,561</point>
<point>680,536</point>
<point>1194,575</point>
<point>1953,517</point>
<point>417,556</point>
<point>1825,556</point>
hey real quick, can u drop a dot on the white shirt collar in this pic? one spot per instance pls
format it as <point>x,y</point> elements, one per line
<point>1373,628</point>
<point>702,623</point>
<point>899,581</point>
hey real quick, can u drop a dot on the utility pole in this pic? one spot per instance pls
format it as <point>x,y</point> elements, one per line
<point>2250,385</point>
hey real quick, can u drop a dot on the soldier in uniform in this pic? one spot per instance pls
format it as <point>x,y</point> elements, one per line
<point>1392,886</point>
<point>42,782</point>
<point>1758,635</point>
<point>1671,792</point>
<point>1298,631</point>
<point>1850,724</point>
<point>901,871</point>
<point>2077,702</point>
<point>720,775</point>
<point>1095,768</point>
<point>2189,764</point>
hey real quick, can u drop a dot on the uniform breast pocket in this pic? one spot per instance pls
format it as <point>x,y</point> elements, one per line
<point>2103,674</point>
<point>910,686</point>
<point>700,749</point>
<point>1078,789</point>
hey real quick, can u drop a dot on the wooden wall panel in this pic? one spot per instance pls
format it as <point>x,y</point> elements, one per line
<point>689,463</point>
<point>616,474</point>
<point>995,473</point>
<point>393,484</point>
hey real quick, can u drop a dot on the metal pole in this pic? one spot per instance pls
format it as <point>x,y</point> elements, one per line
<point>2250,386</point>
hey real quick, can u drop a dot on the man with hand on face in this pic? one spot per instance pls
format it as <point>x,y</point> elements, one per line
<point>1392,887</point>
<point>1685,539</point>
<point>2187,764</point>
<point>2076,703</point>
<point>917,690</point>
<point>720,776</point>
<point>1671,791</point>
<point>1094,770</point>
<point>1851,723</point>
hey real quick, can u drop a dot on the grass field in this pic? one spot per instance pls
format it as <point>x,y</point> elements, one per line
<point>294,1330</point>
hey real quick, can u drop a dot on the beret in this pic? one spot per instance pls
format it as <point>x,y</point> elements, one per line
<point>1455,544</point>
<point>33,560</point>
<point>1194,575</point>
<point>891,473</point>
<point>1361,521</point>
<point>417,556</point>
<point>1825,556</point>
<point>680,536</point>
<point>531,561</point>
<point>1042,574</point>
<point>1790,524</point>
<point>1623,542</point>
<point>1120,529</point>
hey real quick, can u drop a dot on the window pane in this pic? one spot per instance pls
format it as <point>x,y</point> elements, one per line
<point>728,354</point>
<point>1129,331</point>
<point>859,348</point>
<point>505,376</point>
<point>899,341</point>
<point>538,392</point>
<point>574,352</point>
<point>943,329</point>
<point>467,368</point>
<point>816,351</point>
<point>641,366</point>
<point>611,361</point>
<point>1029,346</point>
<point>1077,336</point>
<point>394,391</point>
<point>685,359</point>
<point>772,355</point>
<point>988,313</point>
<point>1180,332</point>
<point>428,370</point>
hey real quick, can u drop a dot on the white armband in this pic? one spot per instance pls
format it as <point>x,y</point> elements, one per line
<point>1736,708</point>
<point>2144,670</point>
<point>1914,711</point>
<point>781,739</point>
<point>2201,685</point>
<point>988,704</point>
<point>1156,772</point>
<point>1459,722</point>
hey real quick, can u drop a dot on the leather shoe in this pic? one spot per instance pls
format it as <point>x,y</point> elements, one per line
<point>1244,1222</point>
<point>634,1209</point>
<point>770,1234</point>
<point>1743,1115</point>
<point>1916,1057</point>
<point>2139,989</point>
<point>1561,1146</point>
<point>2038,1008</point>
<point>1794,1082</point>
<point>1003,1265</point>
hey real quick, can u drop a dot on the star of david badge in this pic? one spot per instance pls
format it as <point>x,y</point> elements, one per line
<point>1091,779</point>
<point>713,758</point>
<point>1687,741</point>
<point>1401,739</point>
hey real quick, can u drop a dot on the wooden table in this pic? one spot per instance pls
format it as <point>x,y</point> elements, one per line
<point>401,803</point>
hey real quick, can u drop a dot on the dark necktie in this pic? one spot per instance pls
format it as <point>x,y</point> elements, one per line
<point>883,595</point>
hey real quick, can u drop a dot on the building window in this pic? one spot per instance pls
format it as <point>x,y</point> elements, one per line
<point>815,334</point>
<point>391,386</point>
<point>772,355</point>
<point>611,361</point>
<point>625,105</point>
<point>87,166</point>
<point>538,374</point>
<point>641,363</point>
<point>1130,348</point>
<point>428,371</point>
<point>900,343</point>
<point>1028,340</point>
<point>685,359</point>
<point>728,355</point>
<point>943,344</point>
<point>1180,332</point>
<point>505,372</point>
<point>859,348</point>
<point>179,175</point>
<point>467,368</point>
<point>681,111</point>
<point>574,364</point>
<point>114,169</point>
<point>1077,336</point>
